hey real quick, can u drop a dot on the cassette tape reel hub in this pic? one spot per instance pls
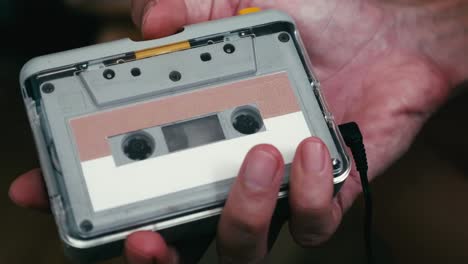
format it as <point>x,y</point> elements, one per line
<point>247,120</point>
<point>138,146</point>
<point>150,135</point>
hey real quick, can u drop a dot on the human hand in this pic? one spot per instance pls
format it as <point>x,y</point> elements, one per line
<point>370,73</point>
<point>368,58</point>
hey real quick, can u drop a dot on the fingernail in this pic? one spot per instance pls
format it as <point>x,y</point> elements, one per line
<point>260,170</point>
<point>313,156</point>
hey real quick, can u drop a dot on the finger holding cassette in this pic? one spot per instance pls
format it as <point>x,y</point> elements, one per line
<point>245,222</point>
<point>28,190</point>
<point>315,213</point>
<point>244,225</point>
<point>147,247</point>
<point>165,17</point>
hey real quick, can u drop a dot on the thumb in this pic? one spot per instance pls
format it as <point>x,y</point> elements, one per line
<point>147,247</point>
<point>160,18</point>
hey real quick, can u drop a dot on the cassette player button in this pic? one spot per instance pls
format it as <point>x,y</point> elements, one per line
<point>249,10</point>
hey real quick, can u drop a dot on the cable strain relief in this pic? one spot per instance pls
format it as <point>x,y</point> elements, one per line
<point>359,155</point>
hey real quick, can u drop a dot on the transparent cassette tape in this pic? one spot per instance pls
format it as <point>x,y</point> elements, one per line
<point>150,135</point>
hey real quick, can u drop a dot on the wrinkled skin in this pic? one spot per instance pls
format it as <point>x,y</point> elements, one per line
<point>373,70</point>
<point>370,72</point>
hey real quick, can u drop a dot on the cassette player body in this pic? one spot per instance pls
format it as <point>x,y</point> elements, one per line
<point>150,135</point>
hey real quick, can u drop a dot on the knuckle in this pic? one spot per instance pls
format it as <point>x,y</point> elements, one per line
<point>250,226</point>
<point>311,207</point>
<point>314,226</point>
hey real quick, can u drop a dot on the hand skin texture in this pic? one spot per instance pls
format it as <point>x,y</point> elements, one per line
<point>386,64</point>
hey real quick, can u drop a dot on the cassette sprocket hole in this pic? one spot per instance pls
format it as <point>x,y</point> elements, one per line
<point>205,56</point>
<point>108,74</point>
<point>175,76</point>
<point>135,72</point>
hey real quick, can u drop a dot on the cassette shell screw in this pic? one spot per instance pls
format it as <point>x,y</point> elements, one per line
<point>336,164</point>
<point>86,226</point>
<point>284,37</point>
<point>48,88</point>
<point>108,74</point>
<point>175,76</point>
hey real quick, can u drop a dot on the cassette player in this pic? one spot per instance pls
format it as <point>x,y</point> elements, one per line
<point>150,135</point>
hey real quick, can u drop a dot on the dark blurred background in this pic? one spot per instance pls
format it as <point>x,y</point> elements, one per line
<point>420,203</point>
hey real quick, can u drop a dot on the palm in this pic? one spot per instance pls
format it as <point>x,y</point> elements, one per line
<point>369,74</point>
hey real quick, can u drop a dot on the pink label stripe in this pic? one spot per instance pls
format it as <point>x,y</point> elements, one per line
<point>273,94</point>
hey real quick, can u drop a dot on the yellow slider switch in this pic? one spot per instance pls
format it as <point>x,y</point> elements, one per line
<point>146,53</point>
<point>249,10</point>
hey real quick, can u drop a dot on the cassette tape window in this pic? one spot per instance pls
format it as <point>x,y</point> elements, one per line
<point>193,133</point>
